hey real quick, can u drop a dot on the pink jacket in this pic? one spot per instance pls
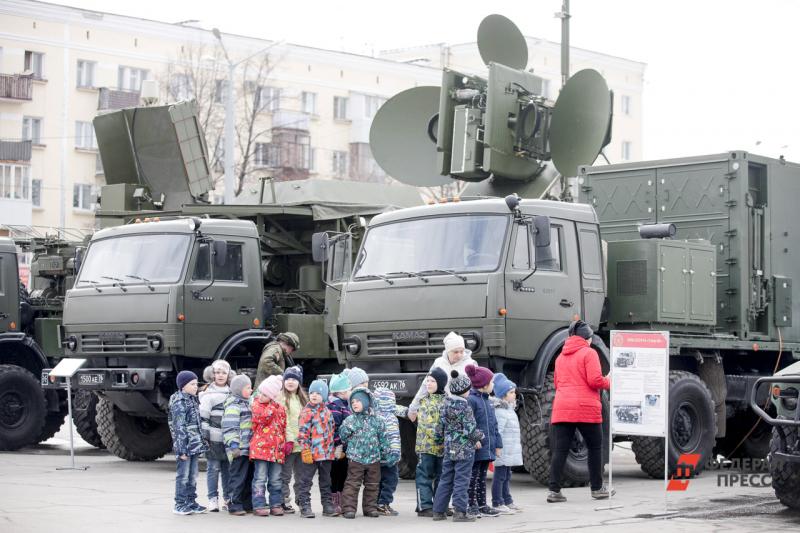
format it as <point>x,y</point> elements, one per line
<point>578,380</point>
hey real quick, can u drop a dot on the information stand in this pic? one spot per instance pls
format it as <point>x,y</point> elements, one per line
<point>639,392</point>
<point>66,369</point>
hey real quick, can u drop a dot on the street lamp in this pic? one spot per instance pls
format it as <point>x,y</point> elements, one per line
<point>230,112</point>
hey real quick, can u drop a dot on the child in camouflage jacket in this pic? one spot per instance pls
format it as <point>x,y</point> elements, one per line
<point>386,407</point>
<point>430,446</point>
<point>364,434</point>
<point>187,442</point>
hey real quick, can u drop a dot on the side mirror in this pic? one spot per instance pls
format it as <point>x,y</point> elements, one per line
<point>319,247</point>
<point>542,233</point>
<point>220,249</point>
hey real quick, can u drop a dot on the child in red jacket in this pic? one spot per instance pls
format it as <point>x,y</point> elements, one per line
<point>266,447</point>
<point>316,440</point>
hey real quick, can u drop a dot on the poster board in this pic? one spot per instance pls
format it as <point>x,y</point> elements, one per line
<point>640,382</point>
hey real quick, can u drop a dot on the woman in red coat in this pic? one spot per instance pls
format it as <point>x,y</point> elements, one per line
<point>578,381</point>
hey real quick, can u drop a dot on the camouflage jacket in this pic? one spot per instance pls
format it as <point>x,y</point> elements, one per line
<point>364,434</point>
<point>458,429</point>
<point>184,425</point>
<point>237,425</point>
<point>386,407</point>
<point>271,363</point>
<point>430,409</point>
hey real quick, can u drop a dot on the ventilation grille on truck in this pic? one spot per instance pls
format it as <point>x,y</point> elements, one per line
<point>383,345</point>
<point>632,278</point>
<point>128,343</point>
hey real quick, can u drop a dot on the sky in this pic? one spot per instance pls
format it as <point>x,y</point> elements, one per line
<point>720,75</point>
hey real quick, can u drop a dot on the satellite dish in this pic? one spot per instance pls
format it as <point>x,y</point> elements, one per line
<point>399,137</point>
<point>500,41</point>
<point>580,121</point>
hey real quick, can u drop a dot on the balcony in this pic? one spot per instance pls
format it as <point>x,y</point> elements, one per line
<point>15,88</point>
<point>290,120</point>
<point>112,99</point>
<point>15,150</point>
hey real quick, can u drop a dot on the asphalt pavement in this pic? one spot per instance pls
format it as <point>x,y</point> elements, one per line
<point>117,496</point>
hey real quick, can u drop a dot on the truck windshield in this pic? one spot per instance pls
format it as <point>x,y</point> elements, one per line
<point>135,259</point>
<point>468,243</point>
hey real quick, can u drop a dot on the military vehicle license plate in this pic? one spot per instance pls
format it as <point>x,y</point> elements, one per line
<point>91,379</point>
<point>394,385</point>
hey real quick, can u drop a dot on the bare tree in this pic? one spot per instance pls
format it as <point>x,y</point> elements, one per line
<point>201,73</point>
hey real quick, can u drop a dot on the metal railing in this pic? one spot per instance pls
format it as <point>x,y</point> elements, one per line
<point>15,150</point>
<point>110,98</point>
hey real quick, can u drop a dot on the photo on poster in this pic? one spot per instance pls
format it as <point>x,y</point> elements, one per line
<point>625,360</point>
<point>628,413</point>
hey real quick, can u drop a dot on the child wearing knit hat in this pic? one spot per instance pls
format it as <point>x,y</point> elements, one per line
<point>187,442</point>
<point>266,447</point>
<point>316,440</point>
<point>237,430</point>
<point>492,442</point>
<point>293,398</point>
<point>218,376</point>
<point>386,407</point>
<point>339,407</point>
<point>504,402</point>
<point>461,437</point>
<point>358,378</point>
<point>429,446</point>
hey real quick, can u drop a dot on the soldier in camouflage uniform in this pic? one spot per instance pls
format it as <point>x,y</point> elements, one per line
<point>273,356</point>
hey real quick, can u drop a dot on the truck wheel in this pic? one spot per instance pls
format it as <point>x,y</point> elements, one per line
<point>408,457</point>
<point>22,408</point>
<point>534,419</point>
<point>84,413</point>
<point>53,420</point>
<point>129,437</point>
<point>785,474</point>
<point>756,446</point>
<point>692,427</point>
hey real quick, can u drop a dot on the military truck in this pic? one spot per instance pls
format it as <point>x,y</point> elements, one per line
<point>510,275</point>
<point>172,282</point>
<point>784,446</point>
<point>28,334</point>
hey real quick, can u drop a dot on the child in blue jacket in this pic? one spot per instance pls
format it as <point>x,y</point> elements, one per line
<point>492,443</point>
<point>187,442</point>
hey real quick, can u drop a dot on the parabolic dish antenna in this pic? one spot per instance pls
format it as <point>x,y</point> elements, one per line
<point>500,41</point>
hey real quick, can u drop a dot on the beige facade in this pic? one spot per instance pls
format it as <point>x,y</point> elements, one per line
<point>315,106</point>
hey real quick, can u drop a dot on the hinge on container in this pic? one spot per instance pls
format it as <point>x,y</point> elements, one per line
<point>731,291</point>
<point>731,203</point>
<point>731,233</point>
<point>731,261</point>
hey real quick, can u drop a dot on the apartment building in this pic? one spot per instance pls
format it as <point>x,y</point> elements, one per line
<point>310,109</point>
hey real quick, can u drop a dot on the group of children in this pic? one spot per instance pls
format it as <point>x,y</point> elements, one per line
<point>346,435</point>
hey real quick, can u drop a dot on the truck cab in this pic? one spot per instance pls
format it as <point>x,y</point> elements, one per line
<point>506,275</point>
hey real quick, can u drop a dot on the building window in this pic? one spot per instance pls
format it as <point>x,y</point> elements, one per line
<point>340,107</point>
<point>309,158</point>
<point>84,136</point>
<point>309,103</point>
<point>82,197</point>
<point>85,76</point>
<point>32,129</point>
<point>34,62</point>
<point>15,182</point>
<point>130,78</point>
<point>339,164</point>
<point>180,88</point>
<point>36,193</point>
<point>220,91</point>
<point>626,150</point>
<point>267,98</point>
<point>625,104</point>
<point>261,157</point>
<point>98,165</point>
<point>372,104</point>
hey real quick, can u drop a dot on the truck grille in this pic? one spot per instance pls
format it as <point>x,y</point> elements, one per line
<point>383,345</point>
<point>128,343</point>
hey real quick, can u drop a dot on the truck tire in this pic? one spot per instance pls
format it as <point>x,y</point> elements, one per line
<point>84,413</point>
<point>692,427</point>
<point>130,437</point>
<point>407,466</point>
<point>755,446</point>
<point>22,408</point>
<point>53,420</point>
<point>785,474</point>
<point>534,419</point>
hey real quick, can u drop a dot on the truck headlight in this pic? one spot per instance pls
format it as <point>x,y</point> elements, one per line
<point>72,343</point>
<point>472,341</point>
<point>352,345</point>
<point>155,342</point>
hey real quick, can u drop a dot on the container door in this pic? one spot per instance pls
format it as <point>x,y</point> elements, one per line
<point>593,272</point>
<point>9,293</point>
<point>703,285</point>
<point>623,200</point>
<point>673,272</point>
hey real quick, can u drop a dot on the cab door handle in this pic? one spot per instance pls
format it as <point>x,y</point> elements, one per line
<point>565,303</point>
<point>245,310</point>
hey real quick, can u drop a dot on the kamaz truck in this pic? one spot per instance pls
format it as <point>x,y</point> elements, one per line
<point>510,275</point>
<point>172,282</point>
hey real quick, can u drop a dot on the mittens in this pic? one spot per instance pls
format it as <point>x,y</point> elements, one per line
<point>288,447</point>
<point>306,456</point>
